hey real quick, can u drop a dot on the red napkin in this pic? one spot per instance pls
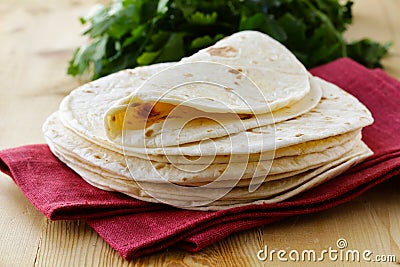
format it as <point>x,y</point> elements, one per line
<point>136,228</point>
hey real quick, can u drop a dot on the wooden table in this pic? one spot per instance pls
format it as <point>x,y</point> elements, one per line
<point>37,40</point>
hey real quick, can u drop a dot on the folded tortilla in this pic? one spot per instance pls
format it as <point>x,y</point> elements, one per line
<point>220,95</point>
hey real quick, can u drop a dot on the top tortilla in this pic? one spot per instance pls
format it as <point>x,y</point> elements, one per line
<point>83,111</point>
<point>223,82</point>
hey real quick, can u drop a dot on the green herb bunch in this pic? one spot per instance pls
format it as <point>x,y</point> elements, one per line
<point>130,33</point>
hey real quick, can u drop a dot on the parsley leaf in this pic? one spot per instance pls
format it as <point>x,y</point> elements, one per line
<point>130,33</point>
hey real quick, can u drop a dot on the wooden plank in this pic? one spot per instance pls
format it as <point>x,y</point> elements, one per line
<point>20,225</point>
<point>378,20</point>
<point>369,222</point>
<point>33,60</point>
<point>71,243</point>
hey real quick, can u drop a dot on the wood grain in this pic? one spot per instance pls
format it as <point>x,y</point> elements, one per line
<point>20,225</point>
<point>39,38</point>
<point>379,20</point>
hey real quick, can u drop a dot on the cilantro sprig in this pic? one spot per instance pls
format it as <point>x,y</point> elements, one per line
<point>130,33</point>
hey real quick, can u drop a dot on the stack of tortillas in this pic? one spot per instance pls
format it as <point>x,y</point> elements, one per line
<point>237,123</point>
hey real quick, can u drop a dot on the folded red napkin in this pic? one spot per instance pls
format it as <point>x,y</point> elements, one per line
<point>136,228</point>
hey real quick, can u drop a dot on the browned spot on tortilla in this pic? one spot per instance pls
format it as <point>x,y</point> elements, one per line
<point>143,110</point>
<point>245,116</point>
<point>328,118</point>
<point>233,71</point>
<point>298,135</point>
<point>210,130</point>
<point>143,115</point>
<point>292,119</point>
<point>236,83</point>
<point>159,166</point>
<point>188,75</point>
<point>154,113</point>
<point>258,131</point>
<point>149,133</point>
<point>134,104</point>
<point>224,51</point>
<point>88,91</point>
<point>251,131</point>
<point>184,179</point>
<point>97,156</point>
<point>113,118</point>
<point>192,158</point>
<point>228,89</point>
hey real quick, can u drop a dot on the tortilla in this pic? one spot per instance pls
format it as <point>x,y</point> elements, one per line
<point>281,79</point>
<point>295,150</point>
<point>146,171</point>
<point>84,109</point>
<point>269,192</point>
